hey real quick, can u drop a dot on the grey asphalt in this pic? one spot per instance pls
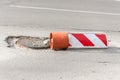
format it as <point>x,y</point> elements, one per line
<point>39,18</point>
<point>58,19</point>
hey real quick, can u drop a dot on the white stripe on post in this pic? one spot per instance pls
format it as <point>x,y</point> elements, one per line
<point>95,40</point>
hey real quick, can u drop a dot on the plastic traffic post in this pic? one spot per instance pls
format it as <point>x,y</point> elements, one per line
<point>64,40</point>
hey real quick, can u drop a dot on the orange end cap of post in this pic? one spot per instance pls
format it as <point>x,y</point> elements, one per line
<point>59,40</point>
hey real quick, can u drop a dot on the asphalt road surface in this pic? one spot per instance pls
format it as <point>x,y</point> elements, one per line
<point>40,17</point>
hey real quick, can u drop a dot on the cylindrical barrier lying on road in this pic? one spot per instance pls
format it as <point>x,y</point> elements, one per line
<point>64,40</point>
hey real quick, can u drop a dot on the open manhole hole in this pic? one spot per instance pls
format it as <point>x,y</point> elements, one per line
<point>28,42</point>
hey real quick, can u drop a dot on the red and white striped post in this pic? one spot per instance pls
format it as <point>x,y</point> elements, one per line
<point>64,40</point>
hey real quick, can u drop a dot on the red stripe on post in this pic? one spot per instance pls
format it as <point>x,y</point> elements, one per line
<point>83,39</point>
<point>103,38</point>
<point>69,44</point>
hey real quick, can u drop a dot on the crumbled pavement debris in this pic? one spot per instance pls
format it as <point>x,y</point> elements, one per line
<point>27,42</point>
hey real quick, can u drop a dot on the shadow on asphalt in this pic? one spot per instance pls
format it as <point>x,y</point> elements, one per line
<point>109,50</point>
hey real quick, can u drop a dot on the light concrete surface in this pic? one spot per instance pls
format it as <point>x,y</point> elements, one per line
<point>37,18</point>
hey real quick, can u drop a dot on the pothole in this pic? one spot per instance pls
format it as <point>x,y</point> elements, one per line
<point>28,42</point>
